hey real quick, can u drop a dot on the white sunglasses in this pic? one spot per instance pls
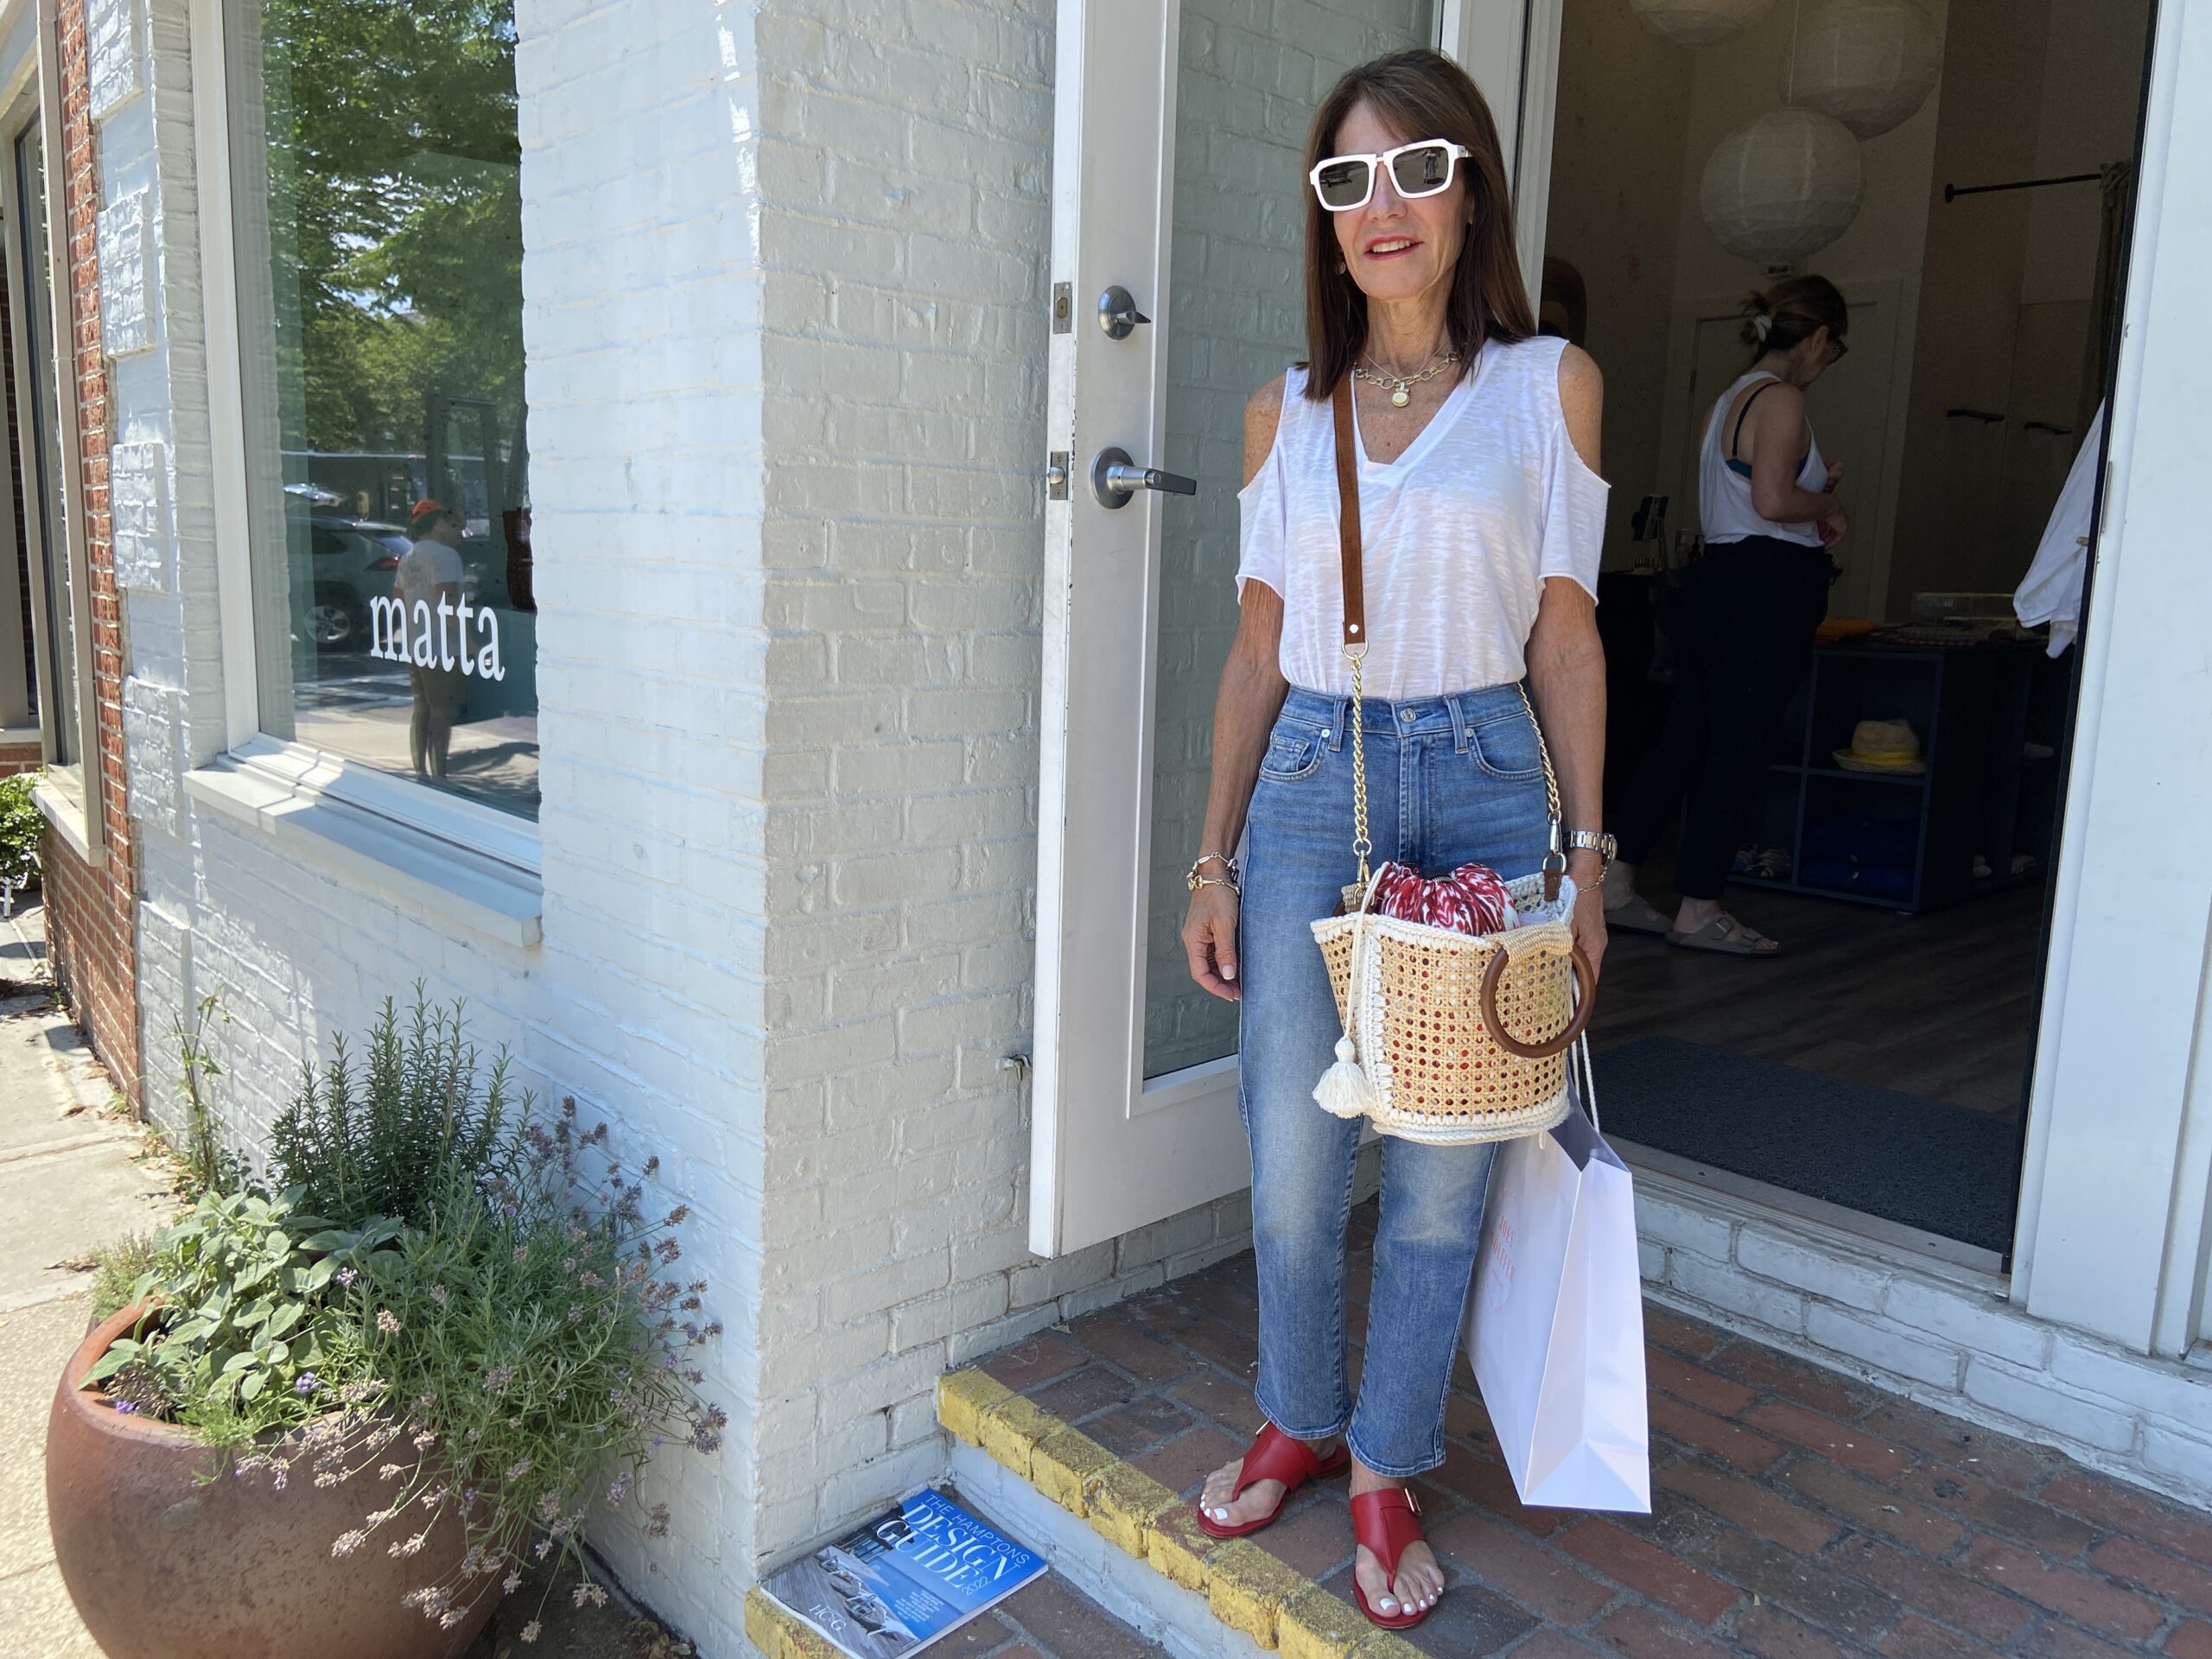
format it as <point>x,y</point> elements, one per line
<point>1421,168</point>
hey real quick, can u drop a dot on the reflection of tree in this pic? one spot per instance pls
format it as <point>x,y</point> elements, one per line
<point>393,162</point>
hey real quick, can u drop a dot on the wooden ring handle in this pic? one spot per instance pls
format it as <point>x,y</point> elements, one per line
<point>1585,981</point>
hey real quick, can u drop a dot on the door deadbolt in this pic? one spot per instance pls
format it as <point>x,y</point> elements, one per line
<point>1114,478</point>
<point>1118,312</point>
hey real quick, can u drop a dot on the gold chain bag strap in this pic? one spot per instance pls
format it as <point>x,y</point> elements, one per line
<point>1430,1051</point>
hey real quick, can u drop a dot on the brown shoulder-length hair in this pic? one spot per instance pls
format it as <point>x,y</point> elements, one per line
<point>1423,94</point>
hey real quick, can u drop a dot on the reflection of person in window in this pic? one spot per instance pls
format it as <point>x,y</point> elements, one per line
<point>427,585</point>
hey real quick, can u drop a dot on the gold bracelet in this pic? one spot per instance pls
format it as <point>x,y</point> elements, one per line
<point>1192,878</point>
<point>1197,881</point>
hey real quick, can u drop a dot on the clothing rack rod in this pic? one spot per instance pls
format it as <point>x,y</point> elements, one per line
<point>1953,192</point>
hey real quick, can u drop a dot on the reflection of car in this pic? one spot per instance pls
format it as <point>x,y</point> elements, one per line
<point>353,560</point>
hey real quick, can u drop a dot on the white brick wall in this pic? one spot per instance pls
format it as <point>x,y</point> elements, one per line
<point>1947,1337</point>
<point>904,232</point>
<point>645,998</point>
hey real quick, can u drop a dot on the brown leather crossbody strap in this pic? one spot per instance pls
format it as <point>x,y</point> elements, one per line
<point>1348,516</point>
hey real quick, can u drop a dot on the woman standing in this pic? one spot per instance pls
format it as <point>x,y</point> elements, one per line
<point>1743,623</point>
<point>1476,446</point>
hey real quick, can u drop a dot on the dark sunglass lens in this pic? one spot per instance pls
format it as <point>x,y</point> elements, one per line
<point>1343,184</point>
<point>1424,171</point>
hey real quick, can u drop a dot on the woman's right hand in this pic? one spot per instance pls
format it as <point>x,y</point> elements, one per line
<point>1835,524</point>
<point>1209,940</point>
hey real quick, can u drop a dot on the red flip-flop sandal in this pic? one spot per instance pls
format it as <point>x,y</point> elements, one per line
<point>1274,1456</point>
<point>1384,1523</point>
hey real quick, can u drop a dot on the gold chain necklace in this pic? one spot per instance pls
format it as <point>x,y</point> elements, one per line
<point>1401,384</point>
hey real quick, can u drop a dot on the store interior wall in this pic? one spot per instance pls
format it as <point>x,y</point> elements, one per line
<point>2006,309</point>
<point>1635,108</point>
<point>1991,295</point>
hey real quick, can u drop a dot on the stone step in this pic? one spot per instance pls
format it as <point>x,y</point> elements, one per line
<point>1134,1544</point>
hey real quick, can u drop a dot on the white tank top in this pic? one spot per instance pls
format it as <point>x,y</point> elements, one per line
<point>1724,492</point>
<point>1459,533</point>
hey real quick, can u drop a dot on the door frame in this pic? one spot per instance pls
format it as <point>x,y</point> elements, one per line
<point>1088,1048</point>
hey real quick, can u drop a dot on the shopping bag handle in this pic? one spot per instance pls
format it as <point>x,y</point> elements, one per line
<point>1585,985</point>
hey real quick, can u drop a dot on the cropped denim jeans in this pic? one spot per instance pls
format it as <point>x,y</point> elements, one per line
<point>1449,780</point>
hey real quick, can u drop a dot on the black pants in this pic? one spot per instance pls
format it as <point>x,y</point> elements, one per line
<point>1742,632</point>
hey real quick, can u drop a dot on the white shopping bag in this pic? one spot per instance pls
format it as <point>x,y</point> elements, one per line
<point>1555,1316</point>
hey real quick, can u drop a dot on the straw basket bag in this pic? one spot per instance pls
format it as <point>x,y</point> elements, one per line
<point>1449,1037</point>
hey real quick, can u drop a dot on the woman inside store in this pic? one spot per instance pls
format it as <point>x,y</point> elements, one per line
<point>1481,512</point>
<point>1744,621</point>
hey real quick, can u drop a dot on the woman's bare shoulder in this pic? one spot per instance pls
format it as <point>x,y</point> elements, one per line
<point>1582,401</point>
<point>1262,414</point>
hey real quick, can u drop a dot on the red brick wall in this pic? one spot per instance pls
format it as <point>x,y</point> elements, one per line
<point>90,936</point>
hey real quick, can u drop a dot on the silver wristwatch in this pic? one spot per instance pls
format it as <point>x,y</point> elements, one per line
<point>1598,842</point>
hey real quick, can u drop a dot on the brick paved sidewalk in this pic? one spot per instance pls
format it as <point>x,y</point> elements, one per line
<point>1796,1513</point>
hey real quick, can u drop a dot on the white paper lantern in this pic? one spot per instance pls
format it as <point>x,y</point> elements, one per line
<point>1697,22</point>
<point>1784,185</point>
<point>1867,63</point>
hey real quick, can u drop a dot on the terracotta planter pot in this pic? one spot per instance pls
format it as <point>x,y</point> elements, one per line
<point>162,1568</point>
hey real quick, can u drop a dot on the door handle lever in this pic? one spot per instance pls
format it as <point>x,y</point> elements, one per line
<point>1118,312</point>
<point>1114,478</point>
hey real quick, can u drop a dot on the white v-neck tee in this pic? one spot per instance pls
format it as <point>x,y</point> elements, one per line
<point>1459,533</point>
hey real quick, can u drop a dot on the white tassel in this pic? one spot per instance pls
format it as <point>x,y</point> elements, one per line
<point>1344,1090</point>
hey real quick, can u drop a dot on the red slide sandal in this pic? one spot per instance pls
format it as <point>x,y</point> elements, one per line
<point>1274,1456</point>
<point>1384,1523</point>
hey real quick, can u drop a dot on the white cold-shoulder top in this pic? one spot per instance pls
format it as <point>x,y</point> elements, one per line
<point>1460,532</point>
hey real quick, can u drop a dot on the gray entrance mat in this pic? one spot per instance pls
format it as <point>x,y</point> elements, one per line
<point>1920,1163</point>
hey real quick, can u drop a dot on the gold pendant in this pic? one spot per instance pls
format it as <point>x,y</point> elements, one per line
<point>1400,396</point>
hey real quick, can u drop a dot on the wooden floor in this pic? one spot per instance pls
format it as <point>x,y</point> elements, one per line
<point>1937,1005</point>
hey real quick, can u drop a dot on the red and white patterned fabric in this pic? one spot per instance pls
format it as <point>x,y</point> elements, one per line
<point>1472,899</point>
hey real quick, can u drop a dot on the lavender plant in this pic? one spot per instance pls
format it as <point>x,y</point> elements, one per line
<point>541,1347</point>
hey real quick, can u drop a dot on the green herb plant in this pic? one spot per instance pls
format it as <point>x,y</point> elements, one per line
<point>238,1332</point>
<point>208,1165</point>
<point>21,826</point>
<point>116,1268</point>
<point>389,1138</point>
<point>467,1311</point>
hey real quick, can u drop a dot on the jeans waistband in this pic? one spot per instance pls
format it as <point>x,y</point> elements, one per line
<point>1456,713</point>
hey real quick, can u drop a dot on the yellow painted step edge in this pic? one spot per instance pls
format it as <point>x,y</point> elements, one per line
<point>1247,1589</point>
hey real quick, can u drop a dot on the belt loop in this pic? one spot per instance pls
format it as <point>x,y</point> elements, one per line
<point>1338,716</point>
<point>1456,704</point>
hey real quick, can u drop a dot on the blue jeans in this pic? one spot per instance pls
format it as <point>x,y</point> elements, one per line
<point>1449,780</point>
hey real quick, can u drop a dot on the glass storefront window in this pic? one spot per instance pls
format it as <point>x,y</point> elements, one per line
<point>379,219</point>
<point>38,411</point>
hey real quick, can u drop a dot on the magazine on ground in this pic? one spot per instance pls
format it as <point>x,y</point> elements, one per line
<point>906,1577</point>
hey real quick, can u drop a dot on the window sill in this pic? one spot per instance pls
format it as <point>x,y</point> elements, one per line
<point>428,873</point>
<point>66,814</point>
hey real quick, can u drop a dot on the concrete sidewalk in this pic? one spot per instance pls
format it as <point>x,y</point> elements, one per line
<point>74,1174</point>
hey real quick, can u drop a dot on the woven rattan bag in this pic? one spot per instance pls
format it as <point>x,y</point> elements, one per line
<point>1448,1038</point>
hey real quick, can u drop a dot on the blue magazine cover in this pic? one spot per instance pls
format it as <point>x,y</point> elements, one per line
<point>906,1577</point>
